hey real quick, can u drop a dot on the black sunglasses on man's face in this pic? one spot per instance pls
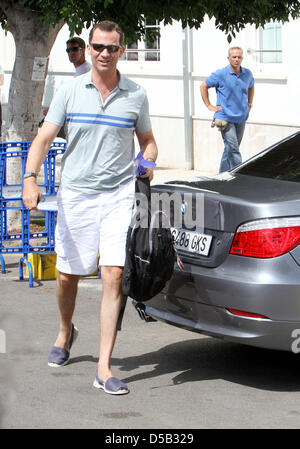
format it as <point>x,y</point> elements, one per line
<point>101,47</point>
<point>73,49</point>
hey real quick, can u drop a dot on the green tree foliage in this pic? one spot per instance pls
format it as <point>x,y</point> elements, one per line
<point>231,16</point>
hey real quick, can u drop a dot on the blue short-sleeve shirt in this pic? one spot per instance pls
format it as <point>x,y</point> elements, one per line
<point>232,93</point>
<point>100,135</point>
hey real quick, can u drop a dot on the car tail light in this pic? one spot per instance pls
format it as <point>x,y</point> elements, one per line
<point>267,238</point>
<point>247,314</point>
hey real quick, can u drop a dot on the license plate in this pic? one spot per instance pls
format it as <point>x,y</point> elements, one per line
<point>193,242</point>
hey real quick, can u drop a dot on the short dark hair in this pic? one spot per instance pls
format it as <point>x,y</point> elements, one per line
<point>76,40</point>
<point>107,25</point>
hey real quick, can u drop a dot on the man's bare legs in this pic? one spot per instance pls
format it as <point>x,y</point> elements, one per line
<point>109,312</point>
<point>66,291</point>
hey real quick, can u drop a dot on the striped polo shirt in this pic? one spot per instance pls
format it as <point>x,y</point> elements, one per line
<point>100,135</point>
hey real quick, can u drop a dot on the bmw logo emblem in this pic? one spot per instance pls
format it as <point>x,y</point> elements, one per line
<point>183,207</point>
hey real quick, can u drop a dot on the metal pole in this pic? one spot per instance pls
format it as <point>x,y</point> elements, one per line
<point>186,99</point>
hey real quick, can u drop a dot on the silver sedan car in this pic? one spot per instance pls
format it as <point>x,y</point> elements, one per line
<point>238,273</point>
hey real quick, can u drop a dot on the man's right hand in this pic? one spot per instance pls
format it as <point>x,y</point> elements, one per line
<point>32,194</point>
<point>214,108</point>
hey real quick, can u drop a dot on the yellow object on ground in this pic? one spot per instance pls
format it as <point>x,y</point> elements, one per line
<point>43,265</point>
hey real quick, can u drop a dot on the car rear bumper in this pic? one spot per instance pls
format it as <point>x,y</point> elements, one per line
<point>218,322</point>
<point>198,299</point>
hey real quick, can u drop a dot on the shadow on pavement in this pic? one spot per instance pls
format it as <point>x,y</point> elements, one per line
<point>209,358</point>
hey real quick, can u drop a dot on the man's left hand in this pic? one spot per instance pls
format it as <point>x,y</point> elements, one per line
<point>149,174</point>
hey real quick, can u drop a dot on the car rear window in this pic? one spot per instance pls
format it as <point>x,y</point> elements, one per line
<point>281,161</point>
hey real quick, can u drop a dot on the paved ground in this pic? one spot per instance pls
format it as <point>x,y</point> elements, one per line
<point>178,380</point>
<point>167,174</point>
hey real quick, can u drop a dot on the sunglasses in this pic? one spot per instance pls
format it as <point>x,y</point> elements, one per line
<point>101,47</point>
<point>73,49</point>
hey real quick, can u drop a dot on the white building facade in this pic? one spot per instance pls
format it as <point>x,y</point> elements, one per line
<point>173,67</point>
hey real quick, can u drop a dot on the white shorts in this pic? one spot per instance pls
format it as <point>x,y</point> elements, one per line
<point>88,225</point>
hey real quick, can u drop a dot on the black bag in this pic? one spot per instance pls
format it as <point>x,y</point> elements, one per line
<point>150,252</point>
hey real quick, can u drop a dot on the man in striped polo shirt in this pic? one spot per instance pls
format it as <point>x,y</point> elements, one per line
<point>102,109</point>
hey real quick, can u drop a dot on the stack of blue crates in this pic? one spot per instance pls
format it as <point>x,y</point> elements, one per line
<point>20,241</point>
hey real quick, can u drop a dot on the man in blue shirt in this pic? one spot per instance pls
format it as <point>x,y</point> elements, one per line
<point>235,90</point>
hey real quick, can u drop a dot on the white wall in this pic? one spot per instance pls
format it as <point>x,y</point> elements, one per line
<point>275,113</point>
